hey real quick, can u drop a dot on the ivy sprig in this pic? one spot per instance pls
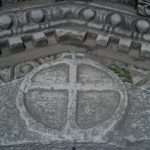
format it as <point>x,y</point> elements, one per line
<point>123,73</point>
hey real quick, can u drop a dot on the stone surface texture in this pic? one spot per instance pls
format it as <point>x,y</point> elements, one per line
<point>73,102</point>
<point>63,34</point>
<point>75,21</point>
<point>102,40</point>
<point>15,44</point>
<point>74,75</point>
<point>145,50</point>
<point>143,8</point>
<point>125,44</point>
<point>36,16</point>
<point>39,39</point>
<point>59,97</point>
<point>5,22</point>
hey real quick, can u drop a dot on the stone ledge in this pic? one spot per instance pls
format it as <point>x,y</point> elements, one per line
<point>92,46</point>
<point>66,34</point>
<point>137,24</point>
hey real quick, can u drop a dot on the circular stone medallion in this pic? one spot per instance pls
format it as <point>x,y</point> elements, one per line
<point>72,98</point>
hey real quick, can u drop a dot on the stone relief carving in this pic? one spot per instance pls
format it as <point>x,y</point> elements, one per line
<point>71,85</point>
<point>21,70</point>
<point>143,7</point>
<point>8,74</point>
<point>47,18</point>
<point>40,15</point>
<point>128,2</point>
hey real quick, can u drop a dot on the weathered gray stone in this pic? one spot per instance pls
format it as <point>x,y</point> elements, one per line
<point>87,117</point>
<point>6,74</point>
<point>5,33</point>
<point>102,40</point>
<point>139,76</point>
<point>146,86</point>
<point>5,22</point>
<point>146,37</point>
<point>134,53</point>
<point>46,59</point>
<point>15,44</point>
<point>24,68</point>
<point>145,50</point>
<point>125,44</point>
<point>39,39</point>
<point>37,16</point>
<point>143,7</point>
<point>142,26</point>
<point>63,86</point>
<point>57,13</point>
<point>73,102</point>
<point>115,19</point>
<point>31,28</point>
<point>68,103</point>
<point>63,34</point>
<point>88,14</point>
<point>136,127</point>
<point>74,105</point>
<point>2,82</point>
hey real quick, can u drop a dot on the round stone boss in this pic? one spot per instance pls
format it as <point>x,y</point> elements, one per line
<point>72,98</point>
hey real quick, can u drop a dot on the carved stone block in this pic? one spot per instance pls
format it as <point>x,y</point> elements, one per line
<point>39,39</point>
<point>124,44</point>
<point>16,44</point>
<point>145,50</point>
<point>64,34</point>
<point>102,40</point>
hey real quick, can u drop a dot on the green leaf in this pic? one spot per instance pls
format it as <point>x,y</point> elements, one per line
<point>121,72</point>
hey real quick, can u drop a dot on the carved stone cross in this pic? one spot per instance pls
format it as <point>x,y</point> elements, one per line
<point>71,97</point>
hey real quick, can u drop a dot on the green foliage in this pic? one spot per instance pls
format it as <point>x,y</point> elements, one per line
<point>121,72</point>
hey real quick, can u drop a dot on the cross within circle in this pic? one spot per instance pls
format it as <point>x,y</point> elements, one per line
<point>80,94</point>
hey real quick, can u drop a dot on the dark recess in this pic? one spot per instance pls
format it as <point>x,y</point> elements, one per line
<point>73,148</point>
<point>74,0</point>
<point>0,3</point>
<point>0,52</point>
